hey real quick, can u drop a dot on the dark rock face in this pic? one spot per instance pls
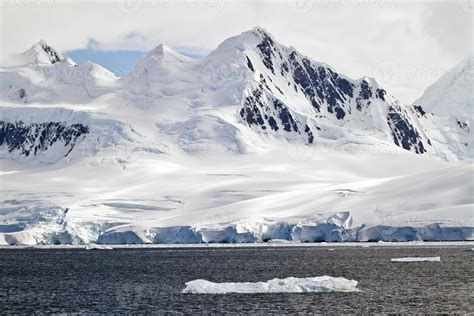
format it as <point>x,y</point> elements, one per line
<point>321,85</point>
<point>464,126</point>
<point>332,97</point>
<point>21,93</point>
<point>249,64</point>
<point>365,91</point>
<point>285,117</point>
<point>404,133</point>
<point>251,111</point>
<point>365,95</point>
<point>54,57</point>
<point>303,79</point>
<point>266,48</point>
<point>37,137</point>
<point>310,134</point>
<point>273,124</point>
<point>263,112</point>
<point>381,93</point>
<point>419,110</point>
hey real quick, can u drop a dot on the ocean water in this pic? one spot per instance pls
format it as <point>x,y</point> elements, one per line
<point>151,280</point>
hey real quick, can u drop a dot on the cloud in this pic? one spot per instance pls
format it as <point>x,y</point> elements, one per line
<point>354,36</point>
<point>93,44</point>
<point>448,25</point>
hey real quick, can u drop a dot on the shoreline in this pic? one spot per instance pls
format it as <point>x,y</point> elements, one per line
<point>249,245</point>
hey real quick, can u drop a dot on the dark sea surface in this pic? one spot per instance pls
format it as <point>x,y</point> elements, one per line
<point>151,280</point>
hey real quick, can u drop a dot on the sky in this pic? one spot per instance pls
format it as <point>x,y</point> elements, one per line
<point>405,45</point>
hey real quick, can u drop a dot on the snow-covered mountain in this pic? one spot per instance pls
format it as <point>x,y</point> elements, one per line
<point>277,91</point>
<point>248,89</point>
<point>447,113</point>
<point>453,93</point>
<point>253,142</point>
<point>42,53</point>
<point>42,75</point>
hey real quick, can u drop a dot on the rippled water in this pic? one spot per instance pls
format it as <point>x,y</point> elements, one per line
<point>151,280</point>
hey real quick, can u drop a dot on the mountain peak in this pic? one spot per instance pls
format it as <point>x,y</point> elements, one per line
<point>165,52</point>
<point>260,31</point>
<point>43,53</point>
<point>157,66</point>
<point>161,49</point>
<point>452,93</point>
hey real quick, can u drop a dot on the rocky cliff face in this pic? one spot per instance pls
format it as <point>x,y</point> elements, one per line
<point>294,95</point>
<point>30,139</point>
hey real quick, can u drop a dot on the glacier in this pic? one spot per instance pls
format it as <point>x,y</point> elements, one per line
<point>252,143</point>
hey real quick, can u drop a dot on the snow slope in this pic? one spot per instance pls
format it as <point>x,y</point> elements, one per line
<point>251,143</point>
<point>239,198</point>
<point>42,75</point>
<point>449,104</point>
<point>252,85</point>
<point>453,93</point>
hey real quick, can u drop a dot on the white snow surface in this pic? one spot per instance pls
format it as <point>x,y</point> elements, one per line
<point>453,93</point>
<point>167,159</point>
<point>449,103</point>
<point>287,285</point>
<point>416,259</point>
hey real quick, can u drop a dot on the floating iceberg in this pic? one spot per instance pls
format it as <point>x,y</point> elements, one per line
<point>280,241</point>
<point>287,285</point>
<point>416,259</point>
<point>98,247</point>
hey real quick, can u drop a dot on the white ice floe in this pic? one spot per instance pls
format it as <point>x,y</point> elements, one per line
<point>416,259</point>
<point>98,247</point>
<point>280,241</point>
<point>287,285</point>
